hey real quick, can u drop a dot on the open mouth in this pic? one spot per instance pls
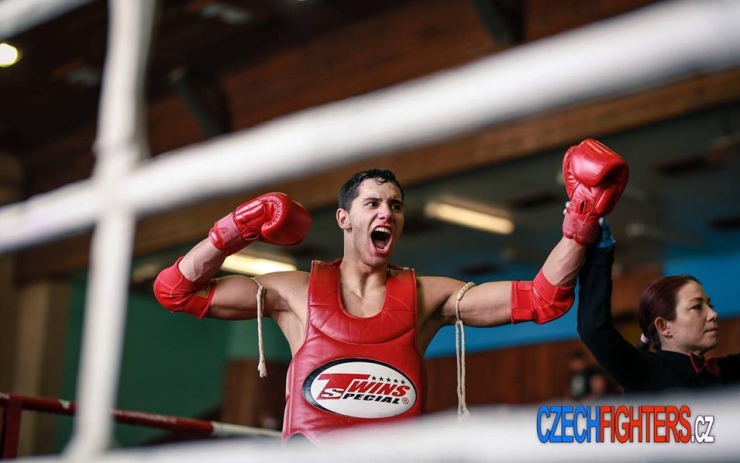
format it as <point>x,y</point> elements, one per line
<point>381,236</point>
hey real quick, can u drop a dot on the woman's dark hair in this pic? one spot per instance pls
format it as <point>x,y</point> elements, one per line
<point>349,192</point>
<point>659,300</point>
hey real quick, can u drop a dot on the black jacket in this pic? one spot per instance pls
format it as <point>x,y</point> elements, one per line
<point>634,370</point>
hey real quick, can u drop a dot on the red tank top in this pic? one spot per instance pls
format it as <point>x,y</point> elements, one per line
<point>351,370</point>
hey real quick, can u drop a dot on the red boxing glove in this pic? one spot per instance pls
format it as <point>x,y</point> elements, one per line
<point>595,177</point>
<point>274,218</point>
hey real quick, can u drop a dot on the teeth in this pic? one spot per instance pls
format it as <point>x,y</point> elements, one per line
<point>382,229</point>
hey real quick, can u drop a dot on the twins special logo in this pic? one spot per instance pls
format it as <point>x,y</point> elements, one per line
<point>359,388</point>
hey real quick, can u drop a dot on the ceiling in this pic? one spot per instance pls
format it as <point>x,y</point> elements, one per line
<point>680,202</point>
<point>60,73</point>
<point>222,66</point>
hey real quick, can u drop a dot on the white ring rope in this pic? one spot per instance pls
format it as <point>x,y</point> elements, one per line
<point>231,430</point>
<point>20,15</point>
<point>503,433</point>
<point>119,145</point>
<point>655,45</point>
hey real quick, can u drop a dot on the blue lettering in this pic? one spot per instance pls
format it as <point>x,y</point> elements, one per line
<point>570,423</point>
<point>580,437</point>
<point>543,437</point>
<point>566,423</point>
<point>554,437</point>
<point>593,423</point>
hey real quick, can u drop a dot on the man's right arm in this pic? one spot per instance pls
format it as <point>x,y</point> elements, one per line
<point>189,285</point>
<point>233,297</point>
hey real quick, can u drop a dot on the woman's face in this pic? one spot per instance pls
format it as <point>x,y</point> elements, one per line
<point>695,327</point>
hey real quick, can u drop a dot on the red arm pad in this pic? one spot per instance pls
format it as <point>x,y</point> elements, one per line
<point>178,294</point>
<point>539,300</point>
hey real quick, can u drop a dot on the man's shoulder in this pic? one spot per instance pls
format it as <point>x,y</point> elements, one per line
<point>330,263</point>
<point>437,286</point>
<point>290,277</point>
<point>434,279</point>
<point>291,286</point>
<point>434,294</point>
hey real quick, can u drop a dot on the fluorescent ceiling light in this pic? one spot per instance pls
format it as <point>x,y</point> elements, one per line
<point>250,265</point>
<point>467,217</point>
<point>9,55</point>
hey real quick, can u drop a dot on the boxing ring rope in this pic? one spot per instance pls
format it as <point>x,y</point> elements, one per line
<point>14,403</point>
<point>29,13</point>
<point>502,434</point>
<point>607,59</point>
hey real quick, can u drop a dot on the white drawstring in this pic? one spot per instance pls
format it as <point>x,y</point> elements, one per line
<point>462,407</point>
<point>261,366</point>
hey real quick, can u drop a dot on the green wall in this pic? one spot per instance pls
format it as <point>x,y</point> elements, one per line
<point>243,341</point>
<point>172,364</point>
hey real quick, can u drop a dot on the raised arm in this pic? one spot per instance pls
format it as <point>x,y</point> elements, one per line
<point>188,285</point>
<point>496,303</point>
<point>595,177</point>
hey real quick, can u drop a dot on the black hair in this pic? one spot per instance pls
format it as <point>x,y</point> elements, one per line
<point>349,190</point>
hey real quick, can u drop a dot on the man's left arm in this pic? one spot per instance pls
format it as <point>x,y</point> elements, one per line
<point>595,177</point>
<point>545,298</point>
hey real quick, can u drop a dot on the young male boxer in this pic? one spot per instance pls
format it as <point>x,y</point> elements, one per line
<point>358,326</point>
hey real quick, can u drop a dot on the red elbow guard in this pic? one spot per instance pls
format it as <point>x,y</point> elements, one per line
<point>539,300</point>
<point>178,294</point>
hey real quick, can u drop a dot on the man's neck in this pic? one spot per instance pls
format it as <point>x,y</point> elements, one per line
<point>359,278</point>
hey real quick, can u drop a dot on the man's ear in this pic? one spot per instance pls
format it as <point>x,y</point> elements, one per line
<point>663,327</point>
<point>343,219</point>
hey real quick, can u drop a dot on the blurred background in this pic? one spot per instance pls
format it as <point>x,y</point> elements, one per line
<point>223,66</point>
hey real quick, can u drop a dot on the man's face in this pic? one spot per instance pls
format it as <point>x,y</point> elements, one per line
<point>695,327</point>
<point>374,222</point>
